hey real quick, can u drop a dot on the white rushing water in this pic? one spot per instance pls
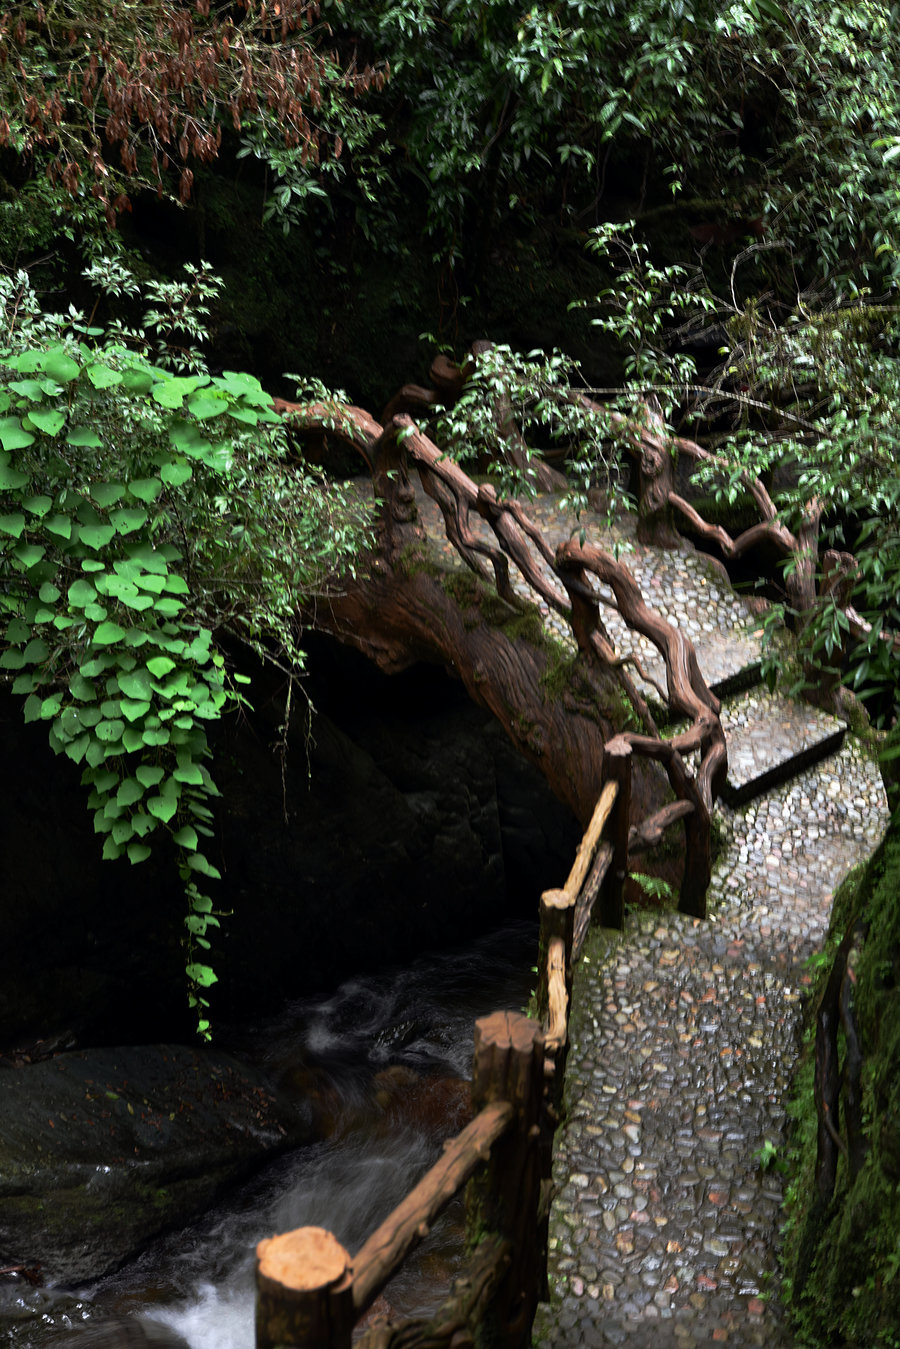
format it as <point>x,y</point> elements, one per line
<point>348,1187</point>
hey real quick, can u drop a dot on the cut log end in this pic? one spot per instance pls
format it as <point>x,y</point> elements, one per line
<point>508,1028</point>
<point>306,1259</point>
<point>557,899</point>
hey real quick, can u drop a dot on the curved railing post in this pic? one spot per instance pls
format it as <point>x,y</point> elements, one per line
<point>617,766</point>
<point>697,861</point>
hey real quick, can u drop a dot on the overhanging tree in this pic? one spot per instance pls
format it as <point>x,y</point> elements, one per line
<point>99,102</point>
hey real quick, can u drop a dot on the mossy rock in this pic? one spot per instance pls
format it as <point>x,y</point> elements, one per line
<point>101,1150</point>
<point>842,1257</point>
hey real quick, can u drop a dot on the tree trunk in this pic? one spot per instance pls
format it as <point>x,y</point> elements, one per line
<point>559,711</point>
<point>656,482</point>
<point>402,616</point>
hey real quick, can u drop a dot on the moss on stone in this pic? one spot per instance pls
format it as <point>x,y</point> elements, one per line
<point>463,587</point>
<point>560,670</point>
<point>842,1258</point>
<point>518,624</point>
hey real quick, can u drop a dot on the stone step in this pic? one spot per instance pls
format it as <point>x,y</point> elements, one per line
<point>770,739</point>
<point>730,666</point>
<point>739,671</point>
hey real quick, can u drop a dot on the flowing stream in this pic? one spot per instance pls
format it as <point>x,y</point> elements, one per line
<point>382,1059</point>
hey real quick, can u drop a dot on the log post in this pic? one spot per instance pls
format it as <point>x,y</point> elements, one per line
<point>555,984</point>
<point>656,481</point>
<point>502,1200</point>
<point>392,489</point>
<point>410,1222</point>
<point>557,921</point>
<point>303,1291</point>
<point>618,762</point>
<point>697,862</point>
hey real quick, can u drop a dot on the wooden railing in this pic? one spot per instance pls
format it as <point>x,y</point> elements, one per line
<point>311,1292</point>
<point>566,581</point>
<point>576,581</point>
<point>598,874</point>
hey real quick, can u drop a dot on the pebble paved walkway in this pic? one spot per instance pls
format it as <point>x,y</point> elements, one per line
<point>665,1226</point>
<point>664,1229</point>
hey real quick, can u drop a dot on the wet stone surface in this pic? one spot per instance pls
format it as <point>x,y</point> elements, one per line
<point>664,1230</point>
<point>766,737</point>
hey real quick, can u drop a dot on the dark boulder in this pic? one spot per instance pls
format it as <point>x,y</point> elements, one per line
<point>101,1150</point>
<point>120,1334</point>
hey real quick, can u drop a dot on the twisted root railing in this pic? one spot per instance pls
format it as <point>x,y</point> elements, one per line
<point>311,1292</point>
<point>572,594</point>
<point>572,581</point>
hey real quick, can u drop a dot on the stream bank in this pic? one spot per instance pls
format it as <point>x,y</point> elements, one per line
<point>383,1062</point>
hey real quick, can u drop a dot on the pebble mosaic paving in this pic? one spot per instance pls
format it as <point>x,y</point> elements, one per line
<point>769,738</point>
<point>665,1227</point>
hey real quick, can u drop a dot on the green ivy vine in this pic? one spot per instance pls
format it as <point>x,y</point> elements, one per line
<point>145,514</point>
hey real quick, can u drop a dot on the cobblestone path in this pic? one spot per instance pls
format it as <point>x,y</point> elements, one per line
<point>665,1226</point>
<point>664,1230</point>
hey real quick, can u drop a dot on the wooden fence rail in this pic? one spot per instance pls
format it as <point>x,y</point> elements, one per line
<point>598,873</point>
<point>311,1292</point>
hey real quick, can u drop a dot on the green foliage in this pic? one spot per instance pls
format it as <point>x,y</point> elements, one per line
<point>767,111</point>
<point>486,96</point>
<point>510,404</point>
<point>501,106</point>
<point>811,391</point>
<point>639,309</point>
<point>654,887</point>
<point>146,516</point>
<point>755,111</point>
<point>889,759</point>
<point>821,379</point>
<point>767,1156</point>
<point>829,373</point>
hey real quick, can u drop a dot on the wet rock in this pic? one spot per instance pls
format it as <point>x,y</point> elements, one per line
<point>381,1313</point>
<point>120,1334</point>
<point>101,1150</point>
<point>438,1106</point>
